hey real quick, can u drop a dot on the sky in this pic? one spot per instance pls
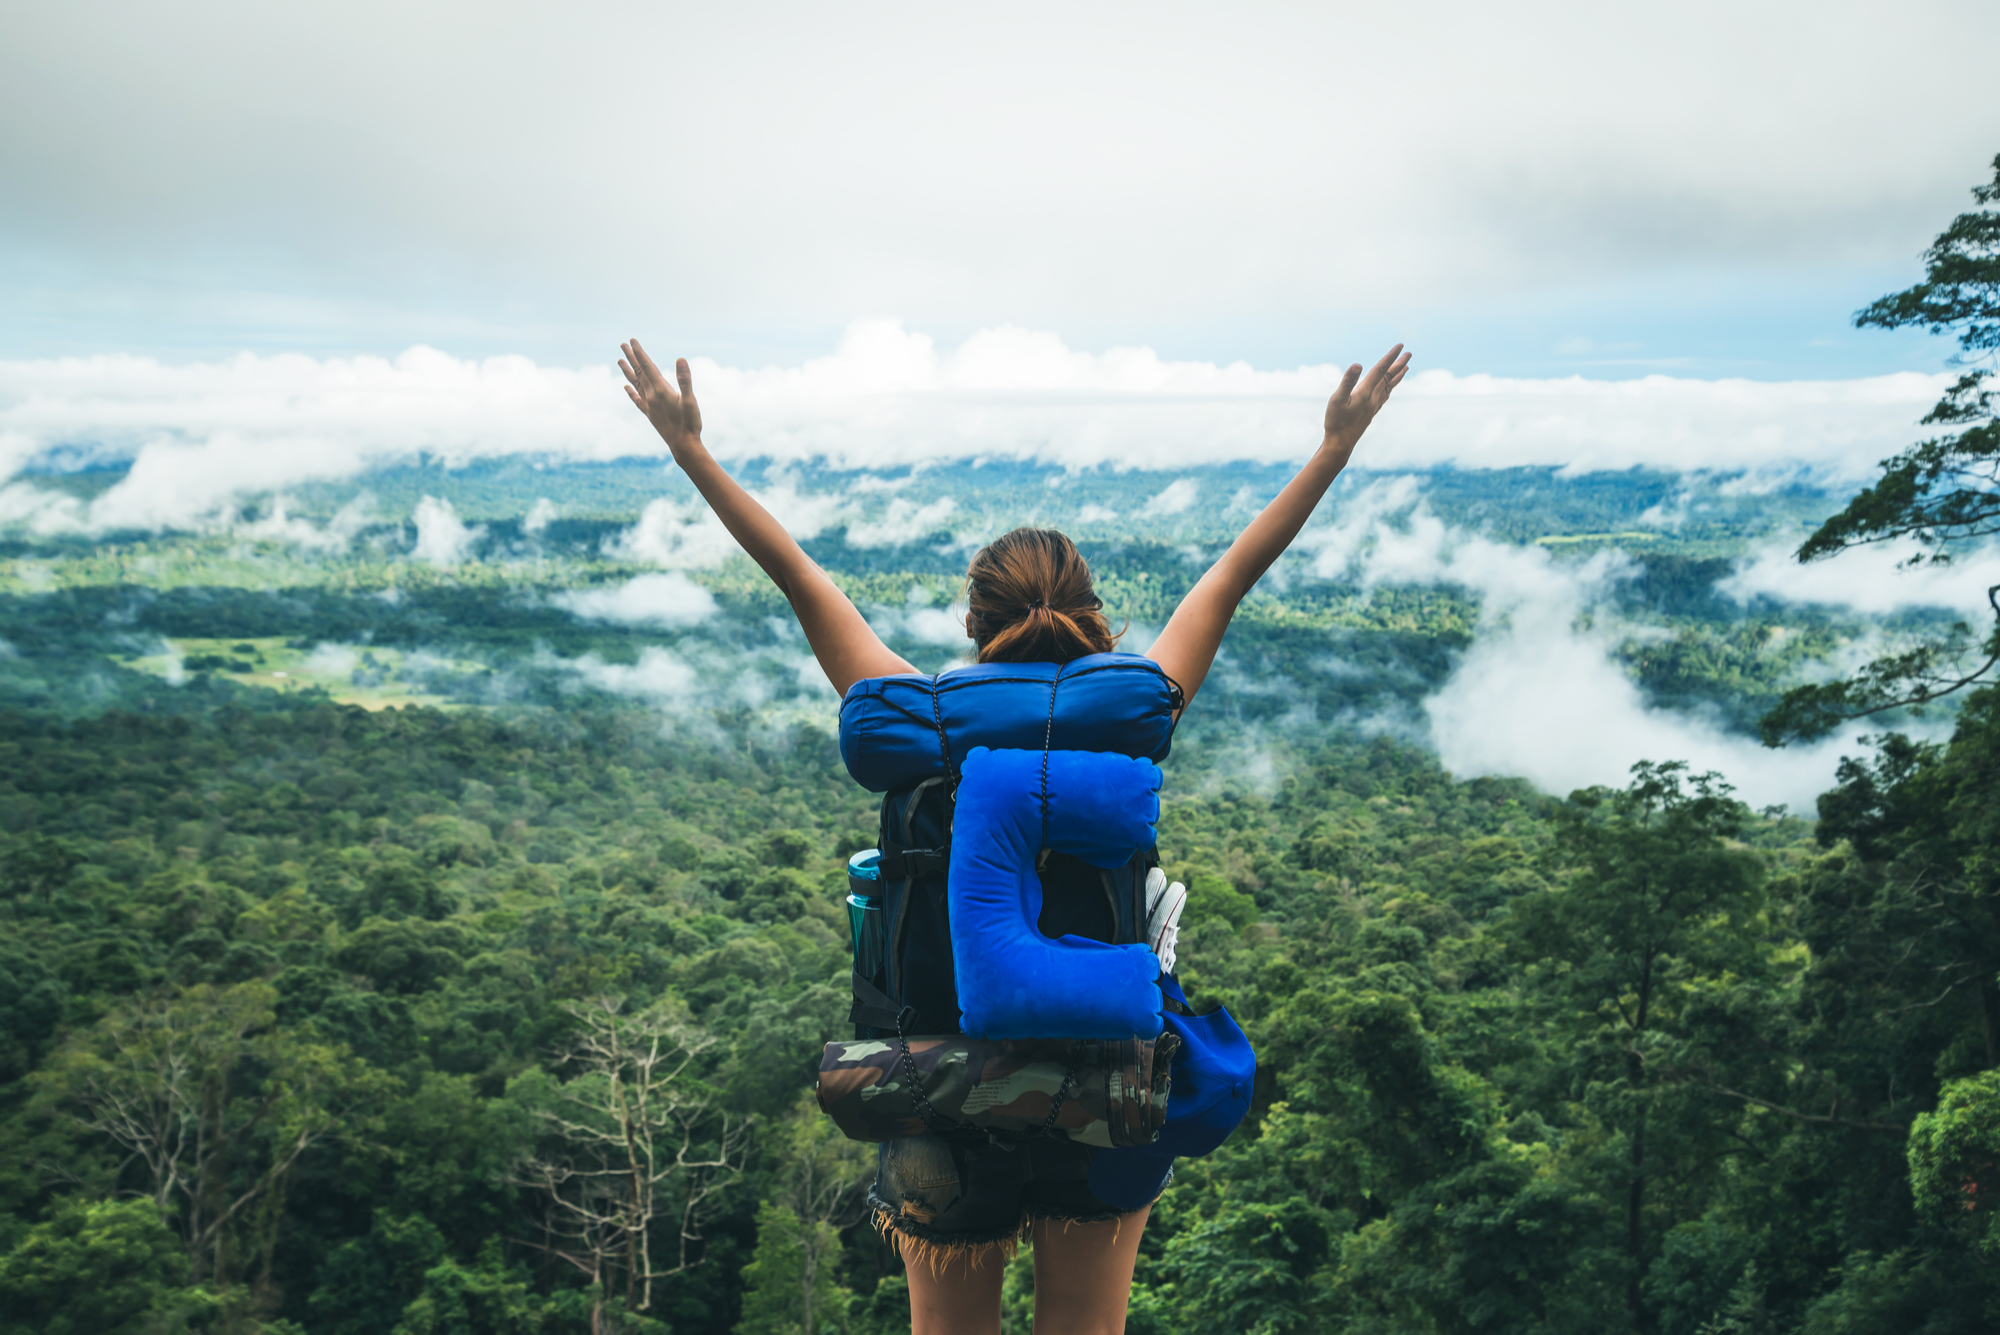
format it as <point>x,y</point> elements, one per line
<point>1535,190</point>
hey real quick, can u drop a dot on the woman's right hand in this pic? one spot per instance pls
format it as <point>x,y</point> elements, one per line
<point>1354,405</point>
<point>673,413</point>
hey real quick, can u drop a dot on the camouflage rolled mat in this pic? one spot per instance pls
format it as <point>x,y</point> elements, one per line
<point>1114,1090</point>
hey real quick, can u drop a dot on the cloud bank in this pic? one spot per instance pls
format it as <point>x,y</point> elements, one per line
<point>202,436</point>
<point>1539,694</point>
<point>1870,580</point>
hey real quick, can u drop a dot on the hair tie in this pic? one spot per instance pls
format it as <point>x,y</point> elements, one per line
<point>1037,603</point>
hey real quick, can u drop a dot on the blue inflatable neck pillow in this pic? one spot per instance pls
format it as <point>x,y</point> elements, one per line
<point>1013,982</point>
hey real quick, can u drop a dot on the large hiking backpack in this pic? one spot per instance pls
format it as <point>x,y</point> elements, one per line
<point>915,985</point>
<point>905,735</point>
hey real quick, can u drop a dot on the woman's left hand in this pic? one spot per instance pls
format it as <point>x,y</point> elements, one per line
<point>673,413</point>
<point>1354,405</point>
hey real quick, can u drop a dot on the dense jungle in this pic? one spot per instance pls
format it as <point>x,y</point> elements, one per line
<point>422,910</point>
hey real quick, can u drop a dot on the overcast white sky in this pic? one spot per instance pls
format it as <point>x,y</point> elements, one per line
<point>1528,189</point>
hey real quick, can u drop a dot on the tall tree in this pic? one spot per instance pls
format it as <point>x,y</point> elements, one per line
<point>1916,918</point>
<point>1660,897</point>
<point>98,1268</point>
<point>821,1189</point>
<point>1942,493</point>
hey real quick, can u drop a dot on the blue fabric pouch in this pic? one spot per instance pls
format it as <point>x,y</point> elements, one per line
<point>1213,1076</point>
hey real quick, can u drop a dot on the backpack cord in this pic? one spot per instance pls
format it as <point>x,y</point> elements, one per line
<point>926,1114</point>
<point>1062,1092</point>
<point>944,747</point>
<point>1048,736</point>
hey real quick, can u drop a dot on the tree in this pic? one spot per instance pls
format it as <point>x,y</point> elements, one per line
<point>789,1284</point>
<point>488,1298</point>
<point>1955,1160</point>
<point>779,1267</point>
<point>1941,493</point>
<point>37,865</point>
<point>1917,916</point>
<point>637,1138</point>
<point>217,1104</point>
<point>96,1268</point>
<point>1658,899</point>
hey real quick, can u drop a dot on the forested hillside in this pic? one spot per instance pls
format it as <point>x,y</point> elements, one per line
<point>415,934</point>
<point>294,998</point>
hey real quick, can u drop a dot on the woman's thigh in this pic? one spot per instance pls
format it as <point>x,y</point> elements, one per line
<point>1083,1274</point>
<point>953,1292</point>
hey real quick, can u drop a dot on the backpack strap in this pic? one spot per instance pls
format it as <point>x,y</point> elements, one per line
<point>906,864</point>
<point>872,1006</point>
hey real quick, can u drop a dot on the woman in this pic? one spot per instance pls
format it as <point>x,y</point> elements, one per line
<point>1029,600</point>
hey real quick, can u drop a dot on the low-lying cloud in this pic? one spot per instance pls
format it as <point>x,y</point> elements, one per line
<point>667,599</point>
<point>672,534</point>
<point>1177,497</point>
<point>443,539</point>
<point>1540,694</point>
<point>918,620</point>
<point>901,522</point>
<point>660,677</point>
<point>691,684</point>
<point>199,436</point>
<point>1871,580</point>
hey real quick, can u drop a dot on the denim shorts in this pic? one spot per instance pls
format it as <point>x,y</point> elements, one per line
<point>964,1195</point>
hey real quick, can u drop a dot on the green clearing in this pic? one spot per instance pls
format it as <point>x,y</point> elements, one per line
<point>348,674</point>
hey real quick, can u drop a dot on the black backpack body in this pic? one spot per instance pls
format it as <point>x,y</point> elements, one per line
<point>915,991</point>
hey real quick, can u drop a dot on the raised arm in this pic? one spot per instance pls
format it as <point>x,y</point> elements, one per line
<point>1186,648</point>
<point>847,647</point>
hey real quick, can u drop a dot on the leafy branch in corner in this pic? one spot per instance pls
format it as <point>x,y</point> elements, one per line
<point>1942,493</point>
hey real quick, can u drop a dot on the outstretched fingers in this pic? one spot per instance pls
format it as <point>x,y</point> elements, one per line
<point>690,409</point>
<point>1347,384</point>
<point>1386,367</point>
<point>646,387</point>
<point>1386,375</point>
<point>1354,405</point>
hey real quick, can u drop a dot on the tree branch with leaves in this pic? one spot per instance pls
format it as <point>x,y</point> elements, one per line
<point>1943,493</point>
<point>215,1101</point>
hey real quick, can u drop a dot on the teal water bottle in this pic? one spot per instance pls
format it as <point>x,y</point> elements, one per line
<point>864,911</point>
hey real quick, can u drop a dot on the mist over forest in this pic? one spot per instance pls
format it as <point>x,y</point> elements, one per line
<point>340,820</point>
<point>1528,622</point>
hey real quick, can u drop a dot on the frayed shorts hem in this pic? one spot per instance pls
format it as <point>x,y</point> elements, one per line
<point>923,1242</point>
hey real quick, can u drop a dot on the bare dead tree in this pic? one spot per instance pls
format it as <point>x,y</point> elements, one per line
<point>165,1079</point>
<point>641,1142</point>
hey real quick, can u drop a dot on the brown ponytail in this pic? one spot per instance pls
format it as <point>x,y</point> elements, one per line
<point>1029,600</point>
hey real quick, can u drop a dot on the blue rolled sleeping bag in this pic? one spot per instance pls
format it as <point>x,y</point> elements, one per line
<point>897,730</point>
<point>1013,982</point>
